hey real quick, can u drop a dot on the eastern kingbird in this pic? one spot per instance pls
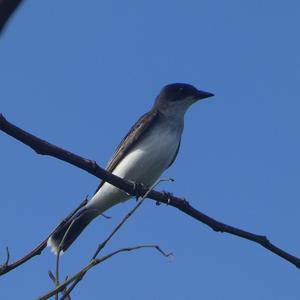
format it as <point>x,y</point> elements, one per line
<point>149,148</point>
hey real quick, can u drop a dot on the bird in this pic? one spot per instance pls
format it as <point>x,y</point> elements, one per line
<point>149,148</point>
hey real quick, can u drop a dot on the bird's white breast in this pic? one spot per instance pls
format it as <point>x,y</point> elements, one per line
<point>144,163</point>
<point>149,158</point>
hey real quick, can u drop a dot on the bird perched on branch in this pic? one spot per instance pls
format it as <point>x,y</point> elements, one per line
<point>149,148</point>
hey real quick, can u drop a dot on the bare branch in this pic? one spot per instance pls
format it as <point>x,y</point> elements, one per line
<point>65,295</point>
<point>45,148</point>
<point>5,264</point>
<point>58,260</point>
<point>52,277</point>
<point>95,262</point>
<point>128,215</point>
<point>7,8</point>
<point>115,230</point>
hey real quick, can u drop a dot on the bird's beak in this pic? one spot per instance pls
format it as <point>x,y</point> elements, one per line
<point>202,95</point>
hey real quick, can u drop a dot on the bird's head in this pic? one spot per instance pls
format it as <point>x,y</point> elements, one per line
<point>179,96</point>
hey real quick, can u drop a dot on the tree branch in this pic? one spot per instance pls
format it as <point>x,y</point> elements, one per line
<point>7,8</point>
<point>44,148</point>
<point>93,263</point>
<point>102,245</point>
<point>65,295</point>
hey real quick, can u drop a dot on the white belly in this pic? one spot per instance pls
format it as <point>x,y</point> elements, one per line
<point>143,164</point>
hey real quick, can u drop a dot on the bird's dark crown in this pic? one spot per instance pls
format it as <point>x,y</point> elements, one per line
<point>179,92</point>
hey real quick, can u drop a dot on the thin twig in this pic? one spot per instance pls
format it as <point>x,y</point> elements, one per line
<point>58,256</point>
<point>52,277</point>
<point>7,256</point>
<point>115,230</point>
<point>95,262</point>
<point>127,216</point>
<point>64,237</point>
<point>7,8</point>
<point>44,148</point>
<point>57,273</point>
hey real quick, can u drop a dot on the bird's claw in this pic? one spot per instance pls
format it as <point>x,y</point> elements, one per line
<point>168,195</point>
<point>138,190</point>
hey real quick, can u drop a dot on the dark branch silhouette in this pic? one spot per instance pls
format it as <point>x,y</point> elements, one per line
<point>95,262</point>
<point>44,148</point>
<point>7,8</point>
<point>80,274</point>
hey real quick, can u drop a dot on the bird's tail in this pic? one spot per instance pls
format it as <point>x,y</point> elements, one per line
<point>68,233</point>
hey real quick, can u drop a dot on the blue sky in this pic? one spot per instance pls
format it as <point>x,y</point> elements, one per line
<point>80,75</point>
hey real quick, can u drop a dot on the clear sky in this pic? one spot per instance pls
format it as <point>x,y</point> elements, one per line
<point>79,74</point>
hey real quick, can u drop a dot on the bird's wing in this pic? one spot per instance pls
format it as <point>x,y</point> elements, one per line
<point>135,133</point>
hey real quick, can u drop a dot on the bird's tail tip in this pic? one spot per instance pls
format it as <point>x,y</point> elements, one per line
<point>64,237</point>
<point>54,246</point>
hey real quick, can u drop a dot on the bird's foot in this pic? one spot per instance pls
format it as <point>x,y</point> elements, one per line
<point>138,190</point>
<point>168,195</point>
